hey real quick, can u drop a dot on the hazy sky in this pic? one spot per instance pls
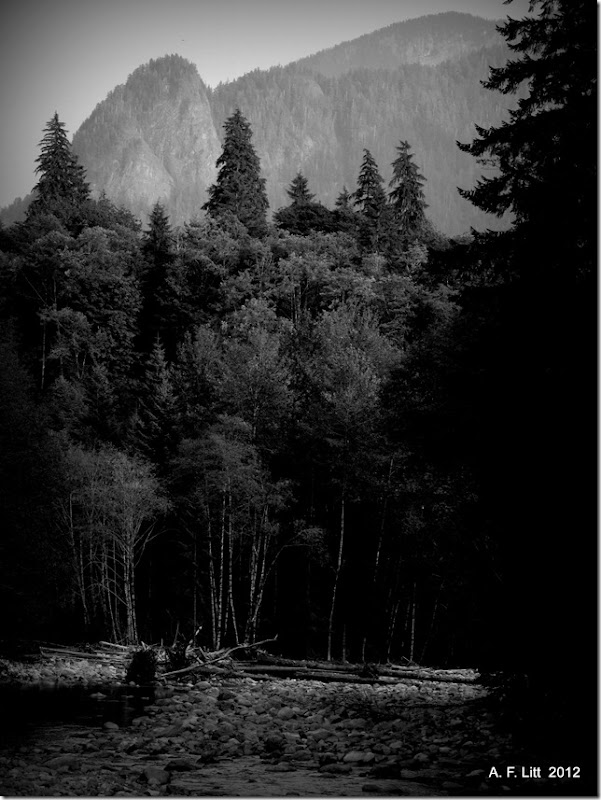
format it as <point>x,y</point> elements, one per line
<point>66,55</point>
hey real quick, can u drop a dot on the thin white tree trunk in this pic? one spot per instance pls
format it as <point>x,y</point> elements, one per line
<point>336,578</point>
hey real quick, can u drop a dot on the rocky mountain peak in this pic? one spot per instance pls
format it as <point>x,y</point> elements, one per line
<point>153,139</point>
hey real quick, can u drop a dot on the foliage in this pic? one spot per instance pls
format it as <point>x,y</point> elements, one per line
<point>61,186</point>
<point>239,187</point>
<point>407,196</point>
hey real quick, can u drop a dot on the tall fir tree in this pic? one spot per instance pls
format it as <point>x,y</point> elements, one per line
<point>239,189</point>
<point>370,200</point>
<point>407,196</point>
<point>545,153</point>
<point>61,187</point>
<point>158,247</point>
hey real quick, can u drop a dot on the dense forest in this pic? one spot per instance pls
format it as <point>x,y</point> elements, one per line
<point>337,425</point>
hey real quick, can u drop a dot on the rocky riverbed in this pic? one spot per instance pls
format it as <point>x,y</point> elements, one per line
<point>241,737</point>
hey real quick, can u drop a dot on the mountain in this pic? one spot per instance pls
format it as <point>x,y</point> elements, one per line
<point>153,138</point>
<point>319,125</point>
<point>158,136</point>
<point>428,40</point>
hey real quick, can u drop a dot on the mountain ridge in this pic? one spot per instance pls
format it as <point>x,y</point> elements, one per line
<point>157,136</point>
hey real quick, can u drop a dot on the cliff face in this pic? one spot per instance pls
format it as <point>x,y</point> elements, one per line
<point>153,139</point>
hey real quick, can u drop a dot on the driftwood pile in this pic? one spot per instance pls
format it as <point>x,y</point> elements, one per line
<point>262,666</point>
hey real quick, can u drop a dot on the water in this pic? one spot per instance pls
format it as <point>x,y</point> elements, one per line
<point>25,707</point>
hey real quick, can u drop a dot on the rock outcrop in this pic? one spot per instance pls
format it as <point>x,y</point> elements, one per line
<point>153,139</point>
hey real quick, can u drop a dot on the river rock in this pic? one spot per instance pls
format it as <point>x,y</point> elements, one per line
<point>71,761</point>
<point>336,769</point>
<point>354,756</point>
<point>156,775</point>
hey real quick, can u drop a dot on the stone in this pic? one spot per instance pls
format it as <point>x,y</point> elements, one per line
<point>273,742</point>
<point>353,757</point>
<point>156,775</point>
<point>110,726</point>
<point>336,769</point>
<point>183,764</point>
<point>71,761</point>
<point>286,713</point>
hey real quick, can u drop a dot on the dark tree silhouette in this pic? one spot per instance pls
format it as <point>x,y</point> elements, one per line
<point>303,215</point>
<point>61,185</point>
<point>407,195</point>
<point>370,201</point>
<point>239,189</point>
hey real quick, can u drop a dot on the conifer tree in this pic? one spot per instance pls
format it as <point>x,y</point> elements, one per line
<point>344,200</point>
<point>303,215</point>
<point>407,196</point>
<point>239,189</point>
<point>61,186</point>
<point>299,192</point>
<point>370,200</point>
<point>158,248</point>
<point>546,151</point>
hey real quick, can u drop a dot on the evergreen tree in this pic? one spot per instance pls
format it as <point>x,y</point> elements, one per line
<point>303,215</point>
<point>546,151</point>
<point>158,240</point>
<point>61,186</point>
<point>344,200</point>
<point>370,200</point>
<point>345,218</point>
<point>298,191</point>
<point>407,196</point>
<point>240,189</point>
<point>158,245</point>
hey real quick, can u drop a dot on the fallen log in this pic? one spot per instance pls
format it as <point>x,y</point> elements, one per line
<point>65,653</point>
<point>209,659</point>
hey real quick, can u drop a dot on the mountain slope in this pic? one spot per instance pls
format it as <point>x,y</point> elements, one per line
<point>319,125</point>
<point>158,136</point>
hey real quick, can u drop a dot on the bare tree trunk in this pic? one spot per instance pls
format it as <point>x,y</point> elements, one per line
<point>43,377</point>
<point>131,626</point>
<point>336,578</point>
<point>432,623</point>
<point>77,555</point>
<point>230,590</point>
<point>194,580</point>
<point>220,607</point>
<point>391,626</point>
<point>213,588</point>
<point>413,612</point>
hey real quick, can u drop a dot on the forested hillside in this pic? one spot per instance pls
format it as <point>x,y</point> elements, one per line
<point>158,135</point>
<point>319,126</point>
<point>334,424</point>
<point>427,40</point>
